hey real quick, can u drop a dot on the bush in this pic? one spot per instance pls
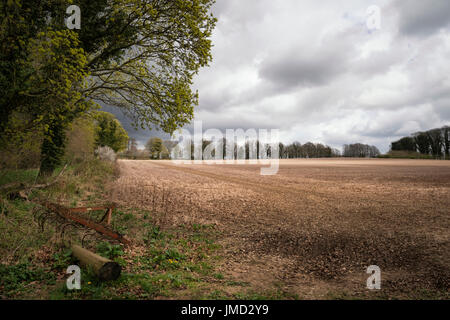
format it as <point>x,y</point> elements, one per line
<point>106,154</point>
<point>405,155</point>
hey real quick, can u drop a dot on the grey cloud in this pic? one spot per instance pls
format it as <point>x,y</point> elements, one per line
<point>422,18</point>
<point>313,64</point>
<point>300,69</point>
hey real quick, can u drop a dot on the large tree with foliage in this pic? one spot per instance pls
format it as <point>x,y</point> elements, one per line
<point>41,75</point>
<point>151,50</point>
<point>156,148</point>
<point>404,144</point>
<point>139,55</point>
<point>109,132</point>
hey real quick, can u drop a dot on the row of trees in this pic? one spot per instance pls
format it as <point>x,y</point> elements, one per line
<point>307,150</point>
<point>257,150</point>
<point>358,150</point>
<point>156,148</point>
<point>139,55</point>
<point>435,142</point>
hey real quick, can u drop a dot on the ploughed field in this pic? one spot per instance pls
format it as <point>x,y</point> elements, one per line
<point>311,230</point>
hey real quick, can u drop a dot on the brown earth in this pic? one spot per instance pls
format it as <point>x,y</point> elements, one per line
<point>312,229</point>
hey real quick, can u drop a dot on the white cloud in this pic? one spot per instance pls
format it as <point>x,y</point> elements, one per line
<point>313,69</point>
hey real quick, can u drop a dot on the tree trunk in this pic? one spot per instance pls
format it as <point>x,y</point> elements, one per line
<point>53,147</point>
<point>104,268</point>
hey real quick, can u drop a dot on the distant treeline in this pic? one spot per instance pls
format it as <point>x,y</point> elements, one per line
<point>359,150</point>
<point>434,143</point>
<point>294,150</point>
<point>318,150</point>
<point>156,148</point>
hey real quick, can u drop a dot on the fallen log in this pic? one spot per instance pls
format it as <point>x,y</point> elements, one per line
<point>68,213</point>
<point>105,269</point>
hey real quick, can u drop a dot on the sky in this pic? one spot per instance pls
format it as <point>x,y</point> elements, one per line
<point>318,72</point>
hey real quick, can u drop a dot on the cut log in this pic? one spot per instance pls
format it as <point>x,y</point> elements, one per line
<point>105,269</point>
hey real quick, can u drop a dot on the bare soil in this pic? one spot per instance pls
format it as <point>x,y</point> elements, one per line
<point>312,229</point>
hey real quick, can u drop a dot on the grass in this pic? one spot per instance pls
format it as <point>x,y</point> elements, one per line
<point>171,262</point>
<point>405,155</point>
<point>22,176</point>
<point>16,278</point>
<point>22,240</point>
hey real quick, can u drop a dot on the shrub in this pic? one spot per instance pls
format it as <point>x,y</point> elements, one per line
<point>405,155</point>
<point>106,154</point>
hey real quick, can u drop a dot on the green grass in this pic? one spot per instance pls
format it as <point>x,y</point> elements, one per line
<point>22,176</point>
<point>172,262</point>
<point>22,240</point>
<point>405,155</point>
<point>20,236</point>
<point>15,279</point>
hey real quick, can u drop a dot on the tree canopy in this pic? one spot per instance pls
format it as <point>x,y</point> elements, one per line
<point>434,142</point>
<point>109,132</point>
<point>143,54</point>
<point>156,148</point>
<point>139,55</point>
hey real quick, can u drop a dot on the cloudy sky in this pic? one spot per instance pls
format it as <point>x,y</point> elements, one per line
<point>315,71</point>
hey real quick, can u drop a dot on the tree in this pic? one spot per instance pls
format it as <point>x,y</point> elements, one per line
<point>156,148</point>
<point>359,150</point>
<point>446,130</point>
<point>310,150</point>
<point>53,88</point>
<point>422,142</point>
<point>20,22</point>
<point>294,150</point>
<point>404,144</point>
<point>149,53</point>
<point>323,151</point>
<point>132,148</point>
<point>282,150</point>
<point>436,142</point>
<point>109,132</point>
<point>335,153</point>
<point>141,55</point>
<point>41,69</point>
